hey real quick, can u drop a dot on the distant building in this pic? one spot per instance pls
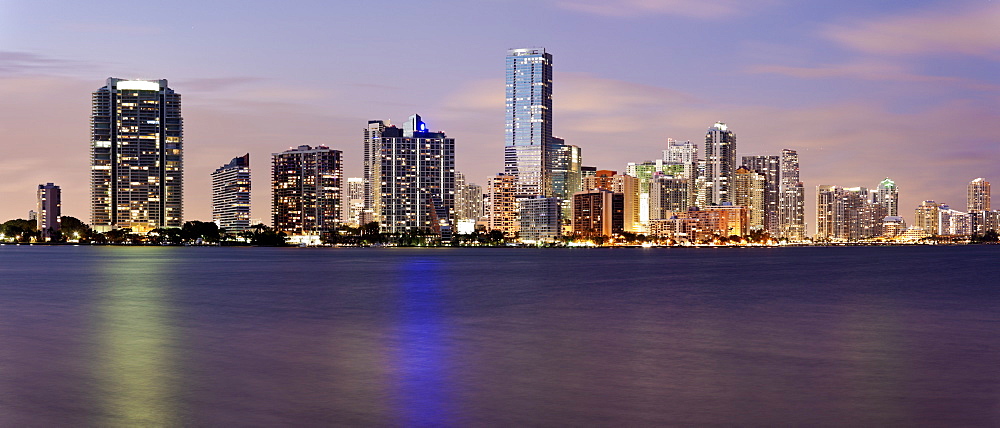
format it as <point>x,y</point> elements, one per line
<point>749,191</point>
<point>720,163</point>
<point>598,212</point>
<point>955,223</point>
<point>667,195</point>
<point>680,152</point>
<point>791,204</point>
<point>628,186</point>
<point>893,226</point>
<point>354,202</point>
<point>539,219</point>
<point>979,195</point>
<point>847,214</point>
<point>503,195</point>
<point>468,199</point>
<point>306,191</point>
<point>49,214</point>
<point>529,149</point>
<point>926,217</point>
<point>769,167</point>
<point>231,195</point>
<point>887,196</point>
<point>698,224</point>
<point>136,152</point>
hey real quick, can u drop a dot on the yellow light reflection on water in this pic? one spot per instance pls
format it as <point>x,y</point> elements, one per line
<point>134,363</point>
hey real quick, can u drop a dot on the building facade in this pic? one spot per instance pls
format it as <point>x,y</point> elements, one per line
<point>720,163</point>
<point>539,219</point>
<point>926,218</point>
<point>979,195</point>
<point>749,191</point>
<point>847,214</point>
<point>598,212</point>
<point>306,191</point>
<point>791,204</point>
<point>529,148</point>
<point>231,195</point>
<point>503,195</point>
<point>770,168</point>
<point>49,216</point>
<point>887,195</point>
<point>136,156</point>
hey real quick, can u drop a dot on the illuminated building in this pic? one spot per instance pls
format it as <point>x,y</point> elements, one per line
<point>706,223</point>
<point>49,216</point>
<point>628,186</point>
<point>468,199</point>
<point>667,195</point>
<point>681,152</point>
<point>770,168</point>
<point>306,191</point>
<point>720,163</point>
<point>372,164</point>
<point>503,195</point>
<point>598,212</point>
<point>644,173</point>
<point>417,179</point>
<point>952,222</point>
<point>847,214</point>
<point>354,202</point>
<point>887,196</point>
<point>136,156</point>
<point>231,195</point>
<point>567,176</point>
<point>979,195</point>
<point>926,217</point>
<point>748,191</point>
<point>529,148</point>
<point>893,226</point>
<point>791,203</point>
<point>539,219</point>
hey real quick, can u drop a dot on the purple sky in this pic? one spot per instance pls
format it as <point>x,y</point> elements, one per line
<point>863,90</point>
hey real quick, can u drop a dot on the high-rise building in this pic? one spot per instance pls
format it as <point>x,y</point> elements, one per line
<point>682,152</point>
<point>628,186</point>
<point>720,163</point>
<point>979,195</point>
<point>567,177</point>
<point>539,219</point>
<point>49,216</point>
<point>847,214</point>
<point>373,166</point>
<point>417,179</point>
<point>231,195</point>
<point>749,191</point>
<point>667,195</point>
<point>468,199</point>
<point>770,168</point>
<point>887,195</point>
<point>354,202</point>
<point>306,191</point>
<point>529,147</point>
<point>136,156</point>
<point>791,204</point>
<point>503,194</point>
<point>598,212</point>
<point>926,216</point>
<point>953,222</point>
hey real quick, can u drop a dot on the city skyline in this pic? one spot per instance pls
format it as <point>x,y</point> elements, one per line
<point>879,106</point>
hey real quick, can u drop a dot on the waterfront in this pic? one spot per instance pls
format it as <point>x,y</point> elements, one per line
<point>875,336</point>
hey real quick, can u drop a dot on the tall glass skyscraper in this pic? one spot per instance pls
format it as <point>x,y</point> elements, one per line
<point>791,205</point>
<point>887,196</point>
<point>529,147</point>
<point>720,163</point>
<point>231,195</point>
<point>136,156</point>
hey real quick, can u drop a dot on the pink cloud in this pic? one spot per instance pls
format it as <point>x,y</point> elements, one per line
<point>968,31</point>
<point>705,9</point>
<point>877,70</point>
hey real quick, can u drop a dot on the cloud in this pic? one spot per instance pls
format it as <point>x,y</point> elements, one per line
<point>12,63</point>
<point>876,70</point>
<point>705,9</point>
<point>969,31</point>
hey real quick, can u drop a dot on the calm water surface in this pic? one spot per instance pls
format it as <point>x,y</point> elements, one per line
<point>105,336</point>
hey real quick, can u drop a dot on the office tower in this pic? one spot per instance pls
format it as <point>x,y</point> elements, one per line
<point>887,195</point>
<point>847,214</point>
<point>231,195</point>
<point>539,219</point>
<point>49,214</point>
<point>979,195</point>
<point>306,194</point>
<point>598,212</point>
<point>720,162</point>
<point>770,168</point>
<point>680,152</point>
<point>667,195</point>
<point>136,156</point>
<point>926,216</point>
<point>417,179</point>
<point>529,146</point>
<point>749,191</point>
<point>354,202</point>
<point>567,177</point>
<point>791,204</point>
<point>503,194</point>
<point>372,164</point>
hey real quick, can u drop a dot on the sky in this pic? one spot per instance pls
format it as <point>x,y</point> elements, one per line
<point>863,90</point>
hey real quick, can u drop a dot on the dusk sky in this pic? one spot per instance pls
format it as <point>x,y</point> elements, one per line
<point>863,90</point>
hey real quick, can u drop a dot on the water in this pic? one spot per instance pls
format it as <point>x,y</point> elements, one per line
<point>106,336</point>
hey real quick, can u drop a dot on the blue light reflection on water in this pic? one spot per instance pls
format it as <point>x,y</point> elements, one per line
<point>421,363</point>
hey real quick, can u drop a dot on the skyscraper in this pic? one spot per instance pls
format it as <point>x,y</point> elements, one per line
<point>887,196</point>
<point>305,188</point>
<point>468,199</point>
<point>847,214</point>
<point>49,214</point>
<point>503,205</point>
<point>770,168</point>
<point>354,201</point>
<point>720,162</point>
<point>529,146</point>
<point>231,194</point>
<point>791,205</point>
<point>372,166</point>
<point>136,156</point>
<point>682,152</point>
<point>979,195</point>
<point>417,179</point>
<point>749,191</point>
